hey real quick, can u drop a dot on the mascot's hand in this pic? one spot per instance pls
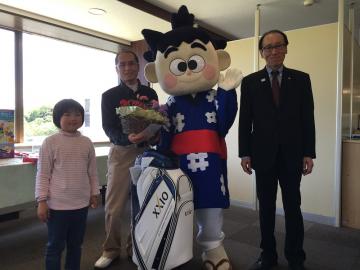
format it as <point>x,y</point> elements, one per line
<point>231,80</point>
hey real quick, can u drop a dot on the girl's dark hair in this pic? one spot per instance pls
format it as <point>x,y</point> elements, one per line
<point>64,106</point>
<point>274,31</point>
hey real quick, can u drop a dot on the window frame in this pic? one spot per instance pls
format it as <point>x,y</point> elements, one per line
<point>51,28</point>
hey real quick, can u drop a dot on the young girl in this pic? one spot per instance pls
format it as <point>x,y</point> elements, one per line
<point>66,184</point>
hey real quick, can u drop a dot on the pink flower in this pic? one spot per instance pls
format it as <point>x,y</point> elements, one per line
<point>144,103</point>
<point>124,102</point>
<point>155,104</point>
<point>163,109</point>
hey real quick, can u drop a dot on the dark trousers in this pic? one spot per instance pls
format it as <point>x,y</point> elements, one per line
<point>266,184</point>
<point>65,227</point>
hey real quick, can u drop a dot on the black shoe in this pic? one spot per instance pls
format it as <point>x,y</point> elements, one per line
<point>263,264</point>
<point>297,266</point>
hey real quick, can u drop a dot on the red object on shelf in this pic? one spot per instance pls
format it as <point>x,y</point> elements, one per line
<point>28,157</point>
<point>32,159</point>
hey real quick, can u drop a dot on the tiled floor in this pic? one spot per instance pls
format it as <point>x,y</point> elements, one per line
<point>22,243</point>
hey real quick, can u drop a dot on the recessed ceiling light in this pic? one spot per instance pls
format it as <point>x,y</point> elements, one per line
<point>97,11</point>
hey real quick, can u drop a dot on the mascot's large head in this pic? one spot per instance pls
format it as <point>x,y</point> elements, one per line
<point>184,60</point>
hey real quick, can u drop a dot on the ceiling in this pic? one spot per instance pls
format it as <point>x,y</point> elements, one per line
<point>233,19</point>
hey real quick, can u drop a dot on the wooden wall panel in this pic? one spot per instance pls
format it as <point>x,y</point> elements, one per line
<point>139,47</point>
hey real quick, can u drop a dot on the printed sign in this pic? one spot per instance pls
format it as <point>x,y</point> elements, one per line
<point>6,134</point>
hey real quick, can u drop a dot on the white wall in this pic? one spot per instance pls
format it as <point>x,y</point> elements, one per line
<point>241,185</point>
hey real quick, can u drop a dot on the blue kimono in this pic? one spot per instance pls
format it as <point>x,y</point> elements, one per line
<point>198,126</point>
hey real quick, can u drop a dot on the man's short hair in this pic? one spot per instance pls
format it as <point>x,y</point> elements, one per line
<point>64,106</point>
<point>272,32</point>
<point>125,51</point>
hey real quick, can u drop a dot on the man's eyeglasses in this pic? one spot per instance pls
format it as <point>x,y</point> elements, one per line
<point>129,64</point>
<point>269,48</point>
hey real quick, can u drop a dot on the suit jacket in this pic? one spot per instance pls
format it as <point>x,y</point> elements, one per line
<point>264,128</point>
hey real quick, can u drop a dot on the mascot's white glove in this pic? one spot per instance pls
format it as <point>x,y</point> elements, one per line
<point>231,80</point>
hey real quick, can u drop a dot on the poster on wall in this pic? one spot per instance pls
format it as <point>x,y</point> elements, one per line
<point>7,133</point>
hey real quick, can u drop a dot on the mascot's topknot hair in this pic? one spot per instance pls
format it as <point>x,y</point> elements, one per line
<point>182,18</point>
<point>182,31</point>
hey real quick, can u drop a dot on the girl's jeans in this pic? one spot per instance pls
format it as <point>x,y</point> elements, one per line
<point>65,227</point>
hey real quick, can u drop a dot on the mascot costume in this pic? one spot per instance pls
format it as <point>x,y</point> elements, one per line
<point>186,62</point>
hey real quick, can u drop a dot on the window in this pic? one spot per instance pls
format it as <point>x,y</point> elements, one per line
<point>7,70</point>
<point>54,70</point>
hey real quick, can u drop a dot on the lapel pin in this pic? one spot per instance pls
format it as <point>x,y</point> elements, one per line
<point>289,78</point>
<point>263,80</point>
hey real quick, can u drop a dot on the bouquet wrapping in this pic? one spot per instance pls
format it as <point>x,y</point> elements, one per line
<point>142,114</point>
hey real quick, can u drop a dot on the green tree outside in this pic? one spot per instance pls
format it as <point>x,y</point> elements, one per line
<point>38,122</point>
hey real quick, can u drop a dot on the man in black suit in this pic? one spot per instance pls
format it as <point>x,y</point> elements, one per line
<point>277,140</point>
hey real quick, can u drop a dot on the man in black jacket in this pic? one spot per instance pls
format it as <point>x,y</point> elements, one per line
<point>277,140</point>
<point>123,151</point>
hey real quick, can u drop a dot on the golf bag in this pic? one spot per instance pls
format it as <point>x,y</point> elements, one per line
<point>162,213</point>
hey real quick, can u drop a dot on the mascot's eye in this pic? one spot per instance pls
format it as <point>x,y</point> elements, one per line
<point>196,63</point>
<point>178,66</point>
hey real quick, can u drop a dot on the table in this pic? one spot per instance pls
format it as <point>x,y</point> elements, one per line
<point>17,181</point>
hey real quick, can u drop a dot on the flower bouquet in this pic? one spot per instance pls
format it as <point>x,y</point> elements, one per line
<point>138,115</point>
